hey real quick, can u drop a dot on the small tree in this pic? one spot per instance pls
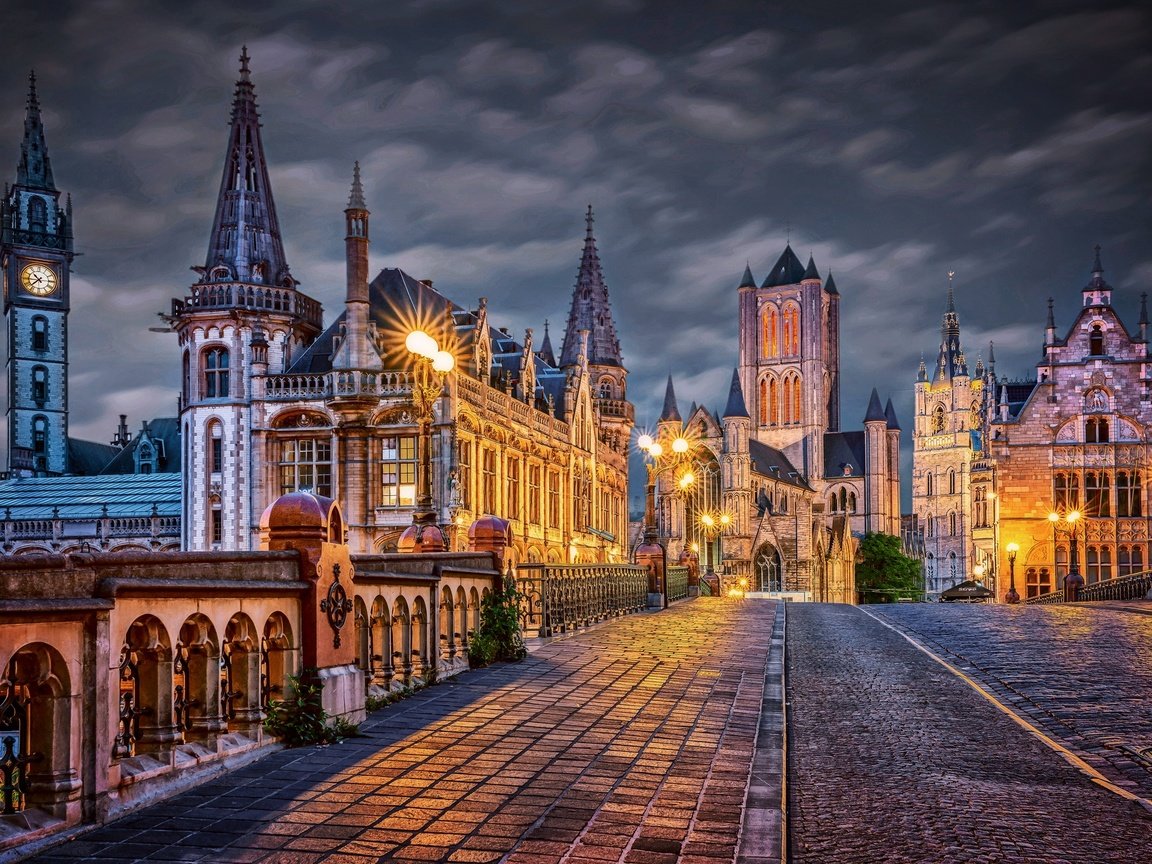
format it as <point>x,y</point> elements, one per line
<point>884,573</point>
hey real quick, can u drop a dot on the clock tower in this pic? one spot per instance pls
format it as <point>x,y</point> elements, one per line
<point>35,252</point>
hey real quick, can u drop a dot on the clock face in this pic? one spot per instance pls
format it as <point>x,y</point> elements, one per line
<point>39,279</point>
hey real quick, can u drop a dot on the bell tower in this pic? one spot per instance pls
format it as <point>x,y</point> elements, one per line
<point>35,253</point>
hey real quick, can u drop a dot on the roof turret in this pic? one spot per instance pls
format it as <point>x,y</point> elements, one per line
<point>670,411</point>
<point>875,409</point>
<point>545,352</point>
<point>747,280</point>
<point>810,271</point>
<point>591,311</point>
<point>830,285</point>
<point>736,406</point>
<point>890,416</point>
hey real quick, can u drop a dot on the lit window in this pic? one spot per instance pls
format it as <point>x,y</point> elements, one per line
<point>398,471</point>
<point>40,384</point>
<point>306,466</point>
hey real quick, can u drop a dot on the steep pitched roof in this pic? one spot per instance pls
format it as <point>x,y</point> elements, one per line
<point>591,311</point>
<point>747,280</point>
<point>786,271</point>
<point>35,168</point>
<point>670,411</point>
<point>810,272</point>
<point>875,409</point>
<point>770,462</point>
<point>890,415</point>
<point>164,433</point>
<point>830,285</point>
<point>844,449</point>
<point>736,406</point>
<point>88,458</point>
<point>246,233</point>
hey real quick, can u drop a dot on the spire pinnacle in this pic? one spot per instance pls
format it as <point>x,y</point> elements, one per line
<point>875,409</point>
<point>736,406</point>
<point>35,169</point>
<point>1143,308</point>
<point>245,244</point>
<point>1097,267</point>
<point>670,411</point>
<point>951,297</point>
<point>545,352</point>
<point>356,196</point>
<point>1051,315</point>
<point>747,280</point>
<point>591,311</point>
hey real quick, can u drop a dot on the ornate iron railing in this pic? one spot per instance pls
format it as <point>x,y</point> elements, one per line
<point>561,598</point>
<point>181,701</point>
<point>128,728</point>
<point>1132,587</point>
<point>15,732</point>
<point>677,583</point>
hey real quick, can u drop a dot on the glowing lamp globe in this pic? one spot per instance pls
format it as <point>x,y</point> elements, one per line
<point>443,361</point>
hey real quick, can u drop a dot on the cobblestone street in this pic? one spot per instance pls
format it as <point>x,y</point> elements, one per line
<point>895,759</point>
<point>632,742</point>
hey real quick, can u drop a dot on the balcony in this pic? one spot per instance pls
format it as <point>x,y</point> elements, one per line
<point>285,301</point>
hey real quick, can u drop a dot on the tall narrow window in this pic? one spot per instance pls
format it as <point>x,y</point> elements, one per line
<point>216,373</point>
<point>488,479</point>
<point>1067,490</point>
<point>306,466</point>
<point>37,215</point>
<point>1128,501</point>
<point>773,403</point>
<point>39,333</point>
<point>553,499</point>
<point>769,328</point>
<point>930,484</point>
<point>534,494</point>
<point>464,479</point>
<point>762,402</point>
<point>951,481</point>
<point>398,471</point>
<point>40,435</point>
<point>952,524</point>
<point>1096,341</point>
<point>215,522</point>
<point>1099,564</point>
<point>851,502</point>
<point>40,384</point>
<point>215,448</point>
<point>1096,493</point>
<point>512,502</point>
<point>1130,559</point>
<point>796,403</point>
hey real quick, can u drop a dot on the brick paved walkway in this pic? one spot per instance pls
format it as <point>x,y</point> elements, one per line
<point>894,759</point>
<point>632,742</point>
<point>1082,673</point>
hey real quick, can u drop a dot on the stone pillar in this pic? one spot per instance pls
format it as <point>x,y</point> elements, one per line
<point>313,527</point>
<point>651,556</point>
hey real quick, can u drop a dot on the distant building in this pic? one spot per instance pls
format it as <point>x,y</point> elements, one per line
<point>1075,439</point>
<point>274,401</point>
<point>63,493</point>
<point>797,489</point>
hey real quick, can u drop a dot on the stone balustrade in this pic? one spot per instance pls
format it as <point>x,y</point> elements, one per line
<point>62,534</point>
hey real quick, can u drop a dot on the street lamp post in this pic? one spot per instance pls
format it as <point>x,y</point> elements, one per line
<point>652,552</point>
<point>430,365</point>
<point>1073,581</point>
<point>1012,596</point>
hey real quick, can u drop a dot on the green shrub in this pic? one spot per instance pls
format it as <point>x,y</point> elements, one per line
<point>300,720</point>
<point>499,635</point>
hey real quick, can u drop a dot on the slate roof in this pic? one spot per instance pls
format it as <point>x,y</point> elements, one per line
<point>766,457</point>
<point>79,498</point>
<point>89,457</point>
<point>786,271</point>
<point>670,411</point>
<point>747,281</point>
<point>165,433</point>
<point>841,449</point>
<point>736,406</point>
<point>875,409</point>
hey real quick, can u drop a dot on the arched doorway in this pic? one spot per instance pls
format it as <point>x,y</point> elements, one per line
<point>768,569</point>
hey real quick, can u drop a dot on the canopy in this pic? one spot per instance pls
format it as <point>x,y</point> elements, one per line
<point>968,590</point>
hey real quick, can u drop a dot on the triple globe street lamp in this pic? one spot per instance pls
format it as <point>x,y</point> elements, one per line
<point>1074,581</point>
<point>658,460</point>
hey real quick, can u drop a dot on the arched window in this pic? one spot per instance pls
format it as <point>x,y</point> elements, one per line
<point>786,415</point>
<point>769,330</point>
<point>1096,430</point>
<point>216,373</point>
<point>773,403</point>
<point>937,419</point>
<point>952,524</point>
<point>215,448</point>
<point>951,481</point>
<point>606,389</point>
<point>1099,561</point>
<point>930,484</point>
<point>843,500</point>
<point>952,565</point>
<point>1096,341</point>
<point>796,403</point>
<point>37,214</point>
<point>980,507</point>
<point>931,523</point>
<point>832,503</point>
<point>851,502</point>
<point>40,384</point>
<point>762,402</point>
<point>791,330</point>
<point>39,333</point>
<point>40,435</point>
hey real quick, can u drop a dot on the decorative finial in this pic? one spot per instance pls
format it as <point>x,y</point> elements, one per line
<point>244,71</point>
<point>356,196</point>
<point>787,235</point>
<point>33,100</point>
<point>589,219</point>
<point>1097,267</point>
<point>1051,314</point>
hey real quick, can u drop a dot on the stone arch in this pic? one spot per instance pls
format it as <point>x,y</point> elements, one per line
<point>768,568</point>
<point>473,612</point>
<point>448,646</point>
<point>36,717</point>
<point>240,672</point>
<point>381,644</point>
<point>402,640</point>
<point>418,640</point>
<point>363,634</point>
<point>145,719</point>
<point>196,668</point>
<point>278,658</point>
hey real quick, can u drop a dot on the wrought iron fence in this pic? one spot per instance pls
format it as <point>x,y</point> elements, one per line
<point>677,583</point>
<point>561,598</point>
<point>15,732</point>
<point>1133,587</point>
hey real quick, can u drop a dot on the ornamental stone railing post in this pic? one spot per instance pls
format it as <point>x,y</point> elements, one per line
<point>314,527</point>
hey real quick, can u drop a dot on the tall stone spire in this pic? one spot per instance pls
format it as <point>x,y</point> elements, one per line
<point>245,245</point>
<point>670,410</point>
<point>35,169</point>
<point>951,360</point>
<point>591,311</point>
<point>546,353</point>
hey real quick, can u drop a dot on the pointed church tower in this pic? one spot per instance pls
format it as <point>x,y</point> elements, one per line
<point>36,252</point>
<point>946,437</point>
<point>243,318</point>
<point>591,311</point>
<point>736,480</point>
<point>875,480</point>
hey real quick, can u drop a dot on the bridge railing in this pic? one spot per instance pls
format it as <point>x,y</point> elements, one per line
<point>1132,587</point>
<point>677,583</point>
<point>556,598</point>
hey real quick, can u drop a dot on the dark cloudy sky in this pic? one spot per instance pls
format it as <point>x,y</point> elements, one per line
<point>895,140</point>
